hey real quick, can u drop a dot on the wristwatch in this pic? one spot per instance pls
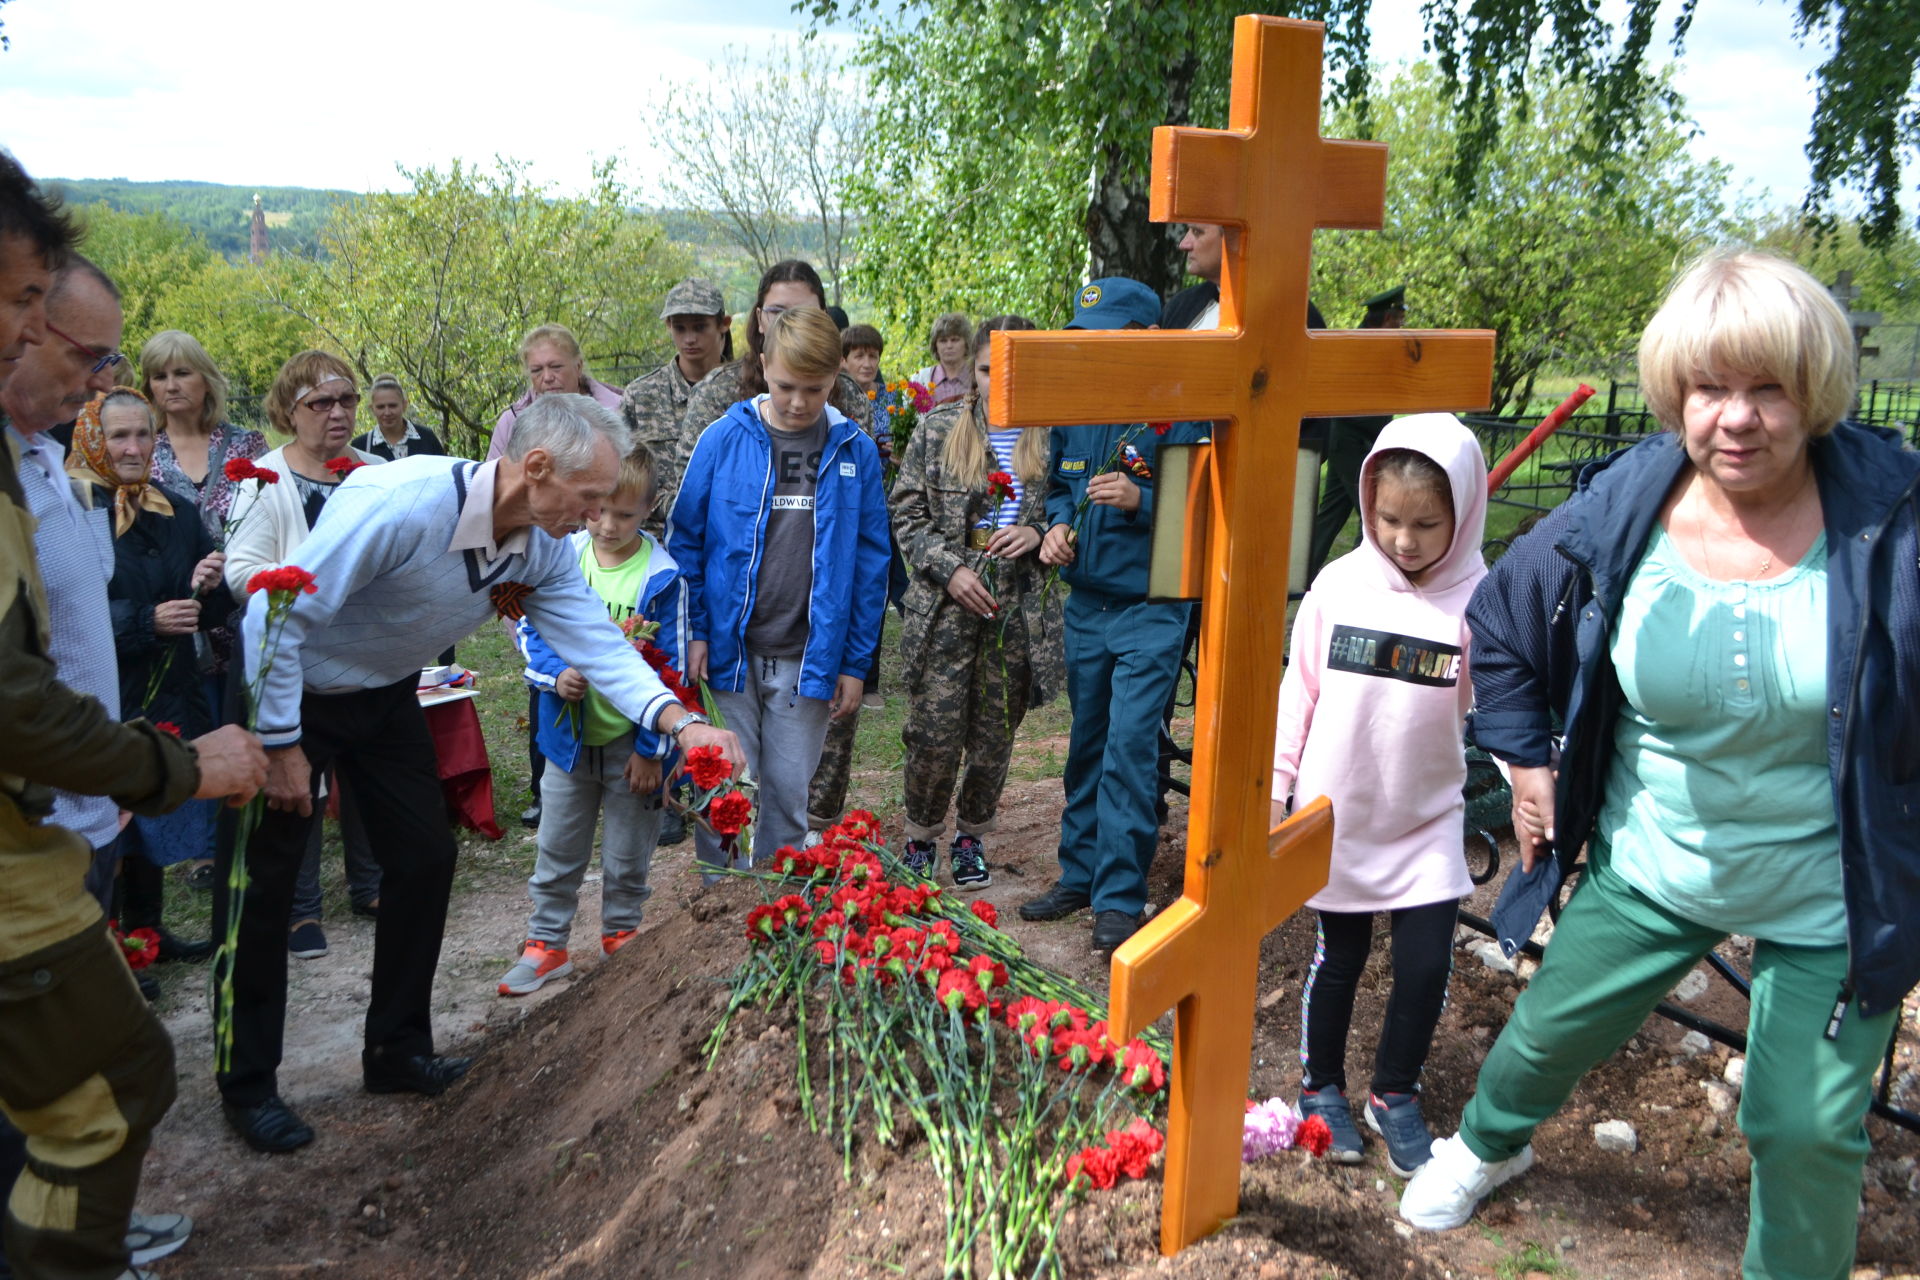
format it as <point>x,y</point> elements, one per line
<point>692,717</point>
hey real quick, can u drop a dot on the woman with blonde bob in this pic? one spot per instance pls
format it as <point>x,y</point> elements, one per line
<point>1726,621</point>
<point>948,377</point>
<point>554,362</point>
<point>979,645</point>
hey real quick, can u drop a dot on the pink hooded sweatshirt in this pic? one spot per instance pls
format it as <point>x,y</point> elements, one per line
<point>1374,703</point>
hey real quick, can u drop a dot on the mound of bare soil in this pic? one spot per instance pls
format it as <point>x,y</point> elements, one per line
<point>591,1140</point>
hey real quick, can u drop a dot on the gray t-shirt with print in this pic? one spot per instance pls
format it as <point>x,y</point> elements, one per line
<point>778,627</point>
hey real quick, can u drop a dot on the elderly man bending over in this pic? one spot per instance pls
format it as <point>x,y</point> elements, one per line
<point>407,559</point>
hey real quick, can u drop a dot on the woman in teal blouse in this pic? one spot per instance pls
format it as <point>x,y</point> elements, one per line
<point>1726,620</point>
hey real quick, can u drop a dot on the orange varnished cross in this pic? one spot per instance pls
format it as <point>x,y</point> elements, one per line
<point>1272,175</point>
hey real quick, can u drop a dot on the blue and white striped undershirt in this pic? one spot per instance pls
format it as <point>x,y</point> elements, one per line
<point>1008,512</point>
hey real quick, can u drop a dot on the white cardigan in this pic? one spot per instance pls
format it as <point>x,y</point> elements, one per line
<point>267,538</point>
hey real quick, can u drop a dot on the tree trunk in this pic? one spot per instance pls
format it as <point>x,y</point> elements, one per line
<point>1120,239</point>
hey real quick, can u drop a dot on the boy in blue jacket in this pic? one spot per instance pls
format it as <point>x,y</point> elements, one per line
<point>1123,651</point>
<point>600,761</point>
<point>780,529</point>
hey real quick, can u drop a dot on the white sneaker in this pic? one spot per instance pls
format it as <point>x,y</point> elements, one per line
<point>1446,1188</point>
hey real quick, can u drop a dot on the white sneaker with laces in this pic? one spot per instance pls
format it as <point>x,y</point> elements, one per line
<point>1446,1188</point>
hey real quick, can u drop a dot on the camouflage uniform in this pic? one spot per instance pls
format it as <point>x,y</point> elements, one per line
<point>86,1070</point>
<point>653,406</point>
<point>971,679</point>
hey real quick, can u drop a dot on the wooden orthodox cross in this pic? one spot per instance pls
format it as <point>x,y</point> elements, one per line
<point>1271,175</point>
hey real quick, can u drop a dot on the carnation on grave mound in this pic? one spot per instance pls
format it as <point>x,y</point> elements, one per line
<point>922,1011</point>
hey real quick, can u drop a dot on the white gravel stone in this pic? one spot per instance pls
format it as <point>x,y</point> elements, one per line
<point>1693,986</point>
<point>1695,1043</point>
<point>1735,1073</point>
<point>1491,956</point>
<point>1616,1135</point>
<point>1719,1097</point>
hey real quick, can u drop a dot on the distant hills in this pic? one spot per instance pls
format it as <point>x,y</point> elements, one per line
<point>220,215</point>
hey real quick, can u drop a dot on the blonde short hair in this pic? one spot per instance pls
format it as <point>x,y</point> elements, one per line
<point>171,347</point>
<point>806,340</point>
<point>557,335</point>
<point>1755,314</point>
<point>951,324</point>
<point>636,471</point>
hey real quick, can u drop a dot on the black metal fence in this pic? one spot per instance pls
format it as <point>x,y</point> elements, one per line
<point>1545,479</point>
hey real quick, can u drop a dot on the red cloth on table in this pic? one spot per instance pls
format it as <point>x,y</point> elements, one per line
<point>466,774</point>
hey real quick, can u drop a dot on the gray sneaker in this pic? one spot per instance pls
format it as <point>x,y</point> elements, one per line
<point>152,1236</point>
<point>1330,1104</point>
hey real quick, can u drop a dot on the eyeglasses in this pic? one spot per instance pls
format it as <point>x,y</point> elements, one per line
<point>325,405</point>
<point>102,360</point>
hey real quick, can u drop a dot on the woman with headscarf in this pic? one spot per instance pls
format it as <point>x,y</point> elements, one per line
<point>163,592</point>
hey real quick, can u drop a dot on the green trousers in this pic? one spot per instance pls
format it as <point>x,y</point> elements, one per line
<point>1614,955</point>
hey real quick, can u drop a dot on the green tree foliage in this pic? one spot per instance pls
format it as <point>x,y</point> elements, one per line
<point>170,279</point>
<point>1564,249</point>
<point>1867,113</point>
<point>1008,158</point>
<point>1887,273</point>
<point>437,284</point>
<point>763,149</point>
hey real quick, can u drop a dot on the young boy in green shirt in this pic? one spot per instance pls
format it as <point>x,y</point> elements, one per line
<point>601,761</point>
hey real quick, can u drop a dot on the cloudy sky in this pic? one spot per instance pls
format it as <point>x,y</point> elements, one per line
<point>264,93</point>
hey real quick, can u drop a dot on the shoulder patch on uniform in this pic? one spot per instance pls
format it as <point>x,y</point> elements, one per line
<point>1089,296</point>
<point>1072,466</point>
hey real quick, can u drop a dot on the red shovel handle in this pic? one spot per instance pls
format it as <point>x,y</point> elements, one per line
<point>1537,437</point>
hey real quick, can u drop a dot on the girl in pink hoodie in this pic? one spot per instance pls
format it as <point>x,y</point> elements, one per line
<point>1371,716</point>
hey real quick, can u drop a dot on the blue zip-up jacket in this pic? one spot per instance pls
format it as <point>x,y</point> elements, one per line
<point>718,532</point>
<point>1542,622</point>
<point>1114,547</point>
<point>663,600</point>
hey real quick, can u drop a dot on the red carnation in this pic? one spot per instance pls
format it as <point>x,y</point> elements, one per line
<point>238,469</point>
<point>999,486</point>
<point>290,578</point>
<point>1313,1136</point>
<point>708,767</point>
<point>167,726</point>
<point>986,914</point>
<point>1134,1146</point>
<point>1099,1165</point>
<point>988,972</point>
<point>729,813</point>
<point>141,947</point>
<point>1140,1068</point>
<point>957,990</point>
<point>1161,428</point>
<point>342,466</point>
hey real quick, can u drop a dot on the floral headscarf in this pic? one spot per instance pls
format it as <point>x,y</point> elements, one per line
<point>88,460</point>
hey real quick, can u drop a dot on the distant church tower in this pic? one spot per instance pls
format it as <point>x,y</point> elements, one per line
<point>257,249</point>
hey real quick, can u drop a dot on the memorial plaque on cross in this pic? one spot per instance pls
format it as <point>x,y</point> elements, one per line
<point>1271,175</point>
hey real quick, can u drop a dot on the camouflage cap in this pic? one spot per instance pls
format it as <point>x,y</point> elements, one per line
<point>695,297</point>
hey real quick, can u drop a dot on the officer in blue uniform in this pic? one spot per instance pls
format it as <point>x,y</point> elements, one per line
<point>1123,652</point>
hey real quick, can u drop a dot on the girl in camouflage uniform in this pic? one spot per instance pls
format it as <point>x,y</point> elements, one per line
<point>979,646</point>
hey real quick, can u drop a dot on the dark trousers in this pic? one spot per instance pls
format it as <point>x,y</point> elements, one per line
<point>1422,962</point>
<point>378,740</point>
<point>86,1072</point>
<point>536,763</point>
